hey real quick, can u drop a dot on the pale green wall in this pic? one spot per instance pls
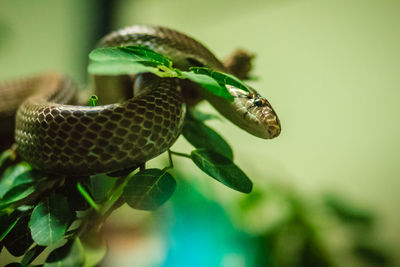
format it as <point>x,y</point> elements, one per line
<point>43,35</point>
<point>332,71</point>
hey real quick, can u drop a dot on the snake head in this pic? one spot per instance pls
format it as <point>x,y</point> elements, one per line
<point>253,113</point>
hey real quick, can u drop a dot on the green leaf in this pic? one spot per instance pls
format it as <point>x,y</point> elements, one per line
<point>201,136</point>
<point>7,223</point>
<point>129,60</point>
<point>149,189</point>
<point>115,195</point>
<point>19,238</point>
<point>69,255</point>
<point>222,169</point>
<point>113,53</point>
<point>7,157</point>
<point>349,213</point>
<point>17,183</point>
<point>119,67</point>
<point>200,116</point>
<point>222,78</point>
<point>50,219</point>
<point>16,175</point>
<point>149,54</point>
<point>16,194</point>
<point>209,83</point>
<point>100,186</point>
<point>129,53</point>
<point>31,255</point>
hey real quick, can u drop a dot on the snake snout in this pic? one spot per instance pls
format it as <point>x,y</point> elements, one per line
<point>271,123</point>
<point>273,126</point>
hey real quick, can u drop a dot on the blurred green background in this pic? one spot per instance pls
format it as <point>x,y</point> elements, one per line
<point>329,68</point>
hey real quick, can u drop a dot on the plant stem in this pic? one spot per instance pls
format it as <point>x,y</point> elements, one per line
<point>115,195</point>
<point>94,220</point>
<point>180,154</point>
<point>87,196</point>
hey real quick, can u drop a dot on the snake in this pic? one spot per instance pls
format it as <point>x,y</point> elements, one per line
<point>55,134</point>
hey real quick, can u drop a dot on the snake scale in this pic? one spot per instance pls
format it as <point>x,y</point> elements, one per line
<point>57,136</point>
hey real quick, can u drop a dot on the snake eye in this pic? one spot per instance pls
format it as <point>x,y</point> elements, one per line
<point>259,102</point>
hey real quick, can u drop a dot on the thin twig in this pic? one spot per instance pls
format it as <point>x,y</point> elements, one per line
<point>180,154</point>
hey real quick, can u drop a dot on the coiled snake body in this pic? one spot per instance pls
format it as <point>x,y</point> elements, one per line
<point>58,137</point>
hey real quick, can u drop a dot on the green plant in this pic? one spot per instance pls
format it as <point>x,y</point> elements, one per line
<point>63,214</point>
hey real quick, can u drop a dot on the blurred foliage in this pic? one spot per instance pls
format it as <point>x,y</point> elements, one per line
<point>327,232</point>
<point>348,213</point>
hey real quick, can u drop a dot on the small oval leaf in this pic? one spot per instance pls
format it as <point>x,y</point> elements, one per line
<point>201,136</point>
<point>114,67</point>
<point>148,55</point>
<point>200,116</point>
<point>50,219</point>
<point>208,83</point>
<point>149,189</point>
<point>100,186</point>
<point>222,169</point>
<point>16,175</point>
<point>17,193</point>
<point>128,53</point>
<point>129,60</point>
<point>221,78</point>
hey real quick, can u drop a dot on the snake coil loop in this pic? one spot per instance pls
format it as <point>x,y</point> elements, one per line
<point>58,137</point>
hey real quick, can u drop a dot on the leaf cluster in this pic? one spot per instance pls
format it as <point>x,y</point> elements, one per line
<point>60,214</point>
<point>38,211</point>
<point>311,223</point>
<point>138,59</point>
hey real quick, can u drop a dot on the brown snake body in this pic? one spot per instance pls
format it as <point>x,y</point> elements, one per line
<point>58,137</point>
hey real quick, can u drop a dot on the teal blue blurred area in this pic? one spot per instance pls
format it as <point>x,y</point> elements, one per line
<point>202,233</point>
<point>329,68</point>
